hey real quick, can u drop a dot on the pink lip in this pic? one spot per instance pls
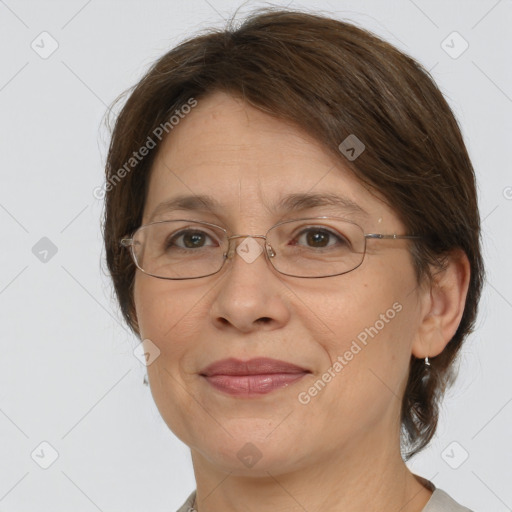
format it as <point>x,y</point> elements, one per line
<point>254,377</point>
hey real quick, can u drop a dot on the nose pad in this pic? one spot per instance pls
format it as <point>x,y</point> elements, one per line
<point>228,255</point>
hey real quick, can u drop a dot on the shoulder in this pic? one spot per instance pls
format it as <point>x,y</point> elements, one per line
<point>440,501</point>
<point>187,506</point>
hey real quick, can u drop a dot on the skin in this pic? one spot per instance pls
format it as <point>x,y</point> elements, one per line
<point>340,451</point>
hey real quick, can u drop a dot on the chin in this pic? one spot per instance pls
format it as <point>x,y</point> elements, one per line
<point>245,455</point>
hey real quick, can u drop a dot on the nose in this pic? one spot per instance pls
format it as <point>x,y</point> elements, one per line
<point>250,295</point>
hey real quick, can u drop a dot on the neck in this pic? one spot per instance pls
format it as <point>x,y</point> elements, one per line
<point>341,480</point>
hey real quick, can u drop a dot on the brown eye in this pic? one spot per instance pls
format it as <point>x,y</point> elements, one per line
<point>188,239</point>
<point>320,238</point>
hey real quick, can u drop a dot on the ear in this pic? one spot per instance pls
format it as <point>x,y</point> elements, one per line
<point>442,306</point>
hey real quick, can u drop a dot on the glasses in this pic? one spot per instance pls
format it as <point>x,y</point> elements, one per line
<point>310,248</point>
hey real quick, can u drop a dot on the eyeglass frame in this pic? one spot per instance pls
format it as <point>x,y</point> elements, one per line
<point>128,243</point>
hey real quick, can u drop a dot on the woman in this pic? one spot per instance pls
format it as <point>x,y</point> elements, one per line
<point>292,229</point>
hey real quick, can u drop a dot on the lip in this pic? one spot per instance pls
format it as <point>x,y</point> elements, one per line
<point>256,366</point>
<point>256,376</point>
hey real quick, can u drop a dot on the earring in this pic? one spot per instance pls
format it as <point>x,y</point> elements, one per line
<point>427,363</point>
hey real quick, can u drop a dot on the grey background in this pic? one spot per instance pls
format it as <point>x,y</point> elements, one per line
<point>68,375</point>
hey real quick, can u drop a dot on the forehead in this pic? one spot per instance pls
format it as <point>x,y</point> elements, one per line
<point>227,157</point>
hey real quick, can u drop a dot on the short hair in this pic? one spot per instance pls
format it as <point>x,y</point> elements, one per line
<point>331,79</point>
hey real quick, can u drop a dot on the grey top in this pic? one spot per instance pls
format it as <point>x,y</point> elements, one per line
<point>440,501</point>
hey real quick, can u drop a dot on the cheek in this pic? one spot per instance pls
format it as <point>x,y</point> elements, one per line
<point>369,358</point>
<point>367,329</point>
<point>347,310</point>
<point>169,318</point>
<point>167,315</point>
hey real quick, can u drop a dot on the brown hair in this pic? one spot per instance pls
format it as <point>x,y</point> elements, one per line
<point>332,79</point>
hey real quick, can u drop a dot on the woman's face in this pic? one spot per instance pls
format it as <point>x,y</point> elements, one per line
<point>353,334</point>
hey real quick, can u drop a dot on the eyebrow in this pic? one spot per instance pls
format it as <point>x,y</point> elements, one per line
<point>291,203</point>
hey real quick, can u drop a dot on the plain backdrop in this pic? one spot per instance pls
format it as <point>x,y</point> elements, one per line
<point>71,390</point>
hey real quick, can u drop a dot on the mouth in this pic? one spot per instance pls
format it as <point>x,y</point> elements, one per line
<point>253,377</point>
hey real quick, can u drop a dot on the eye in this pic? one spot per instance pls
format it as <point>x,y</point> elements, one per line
<point>188,239</point>
<point>316,237</point>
